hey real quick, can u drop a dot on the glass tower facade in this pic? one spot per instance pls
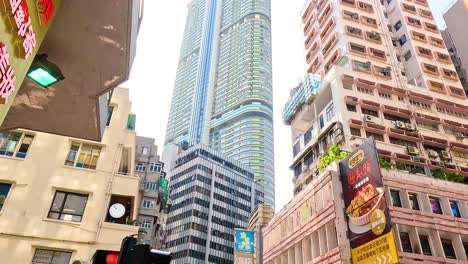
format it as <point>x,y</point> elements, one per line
<point>223,91</point>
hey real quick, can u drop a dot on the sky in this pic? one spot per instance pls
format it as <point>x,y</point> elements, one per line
<point>153,73</point>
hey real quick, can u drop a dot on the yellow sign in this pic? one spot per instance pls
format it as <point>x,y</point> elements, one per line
<point>381,250</point>
<point>356,159</point>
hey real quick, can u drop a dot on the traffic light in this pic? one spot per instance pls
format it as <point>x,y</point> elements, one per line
<point>131,253</point>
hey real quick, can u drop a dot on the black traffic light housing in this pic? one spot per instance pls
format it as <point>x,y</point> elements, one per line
<point>131,253</point>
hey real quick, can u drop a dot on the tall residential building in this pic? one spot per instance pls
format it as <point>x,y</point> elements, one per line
<point>211,195</point>
<point>223,90</point>
<point>154,206</point>
<point>68,200</point>
<point>455,38</point>
<point>385,73</point>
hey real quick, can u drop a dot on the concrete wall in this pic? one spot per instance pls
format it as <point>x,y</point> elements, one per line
<point>24,225</point>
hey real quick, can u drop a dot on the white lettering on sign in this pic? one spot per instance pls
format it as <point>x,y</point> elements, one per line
<point>7,77</point>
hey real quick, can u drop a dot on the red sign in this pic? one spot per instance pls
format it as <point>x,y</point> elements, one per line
<point>46,10</point>
<point>20,13</point>
<point>7,75</point>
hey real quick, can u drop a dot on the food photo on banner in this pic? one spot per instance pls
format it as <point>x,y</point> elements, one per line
<point>368,217</point>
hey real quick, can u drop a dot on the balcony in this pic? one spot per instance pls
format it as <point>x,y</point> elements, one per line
<point>300,97</point>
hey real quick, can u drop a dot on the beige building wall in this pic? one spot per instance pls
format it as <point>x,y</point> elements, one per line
<point>24,222</point>
<point>455,17</point>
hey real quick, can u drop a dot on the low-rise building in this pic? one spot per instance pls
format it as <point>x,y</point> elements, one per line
<point>154,206</point>
<point>429,219</point>
<point>67,199</point>
<point>259,218</point>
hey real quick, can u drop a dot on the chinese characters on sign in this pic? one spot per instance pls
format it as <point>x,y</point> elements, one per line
<point>7,75</point>
<point>244,249</point>
<point>46,10</point>
<point>20,13</point>
<point>371,235</point>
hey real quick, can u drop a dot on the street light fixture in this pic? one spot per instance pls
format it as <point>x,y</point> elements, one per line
<point>44,72</point>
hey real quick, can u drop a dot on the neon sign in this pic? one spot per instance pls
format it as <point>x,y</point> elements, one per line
<point>20,13</point>
<point>46,10</point>
<point>7,75</point>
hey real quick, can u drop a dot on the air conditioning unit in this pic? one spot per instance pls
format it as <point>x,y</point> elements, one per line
<point>445,155</point>
<point>369,119</point>
<point>400,125</point>
<point>416,159</point>
<point>410,127</point>
<point>413,151</point>
<point>433,153</point>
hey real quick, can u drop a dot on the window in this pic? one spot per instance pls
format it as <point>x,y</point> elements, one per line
<point>402,40</point>
<point>308,135</point>
<point>405,242</point>
<point>45,256</point>
<point>141,167</point>
<point>448,249</point>
<point>369,112</point>
<point>396,201</point>
<point>146,223</point>
<point>454,207</point>
<point>298,170</point>
<point>426,247</point>
<point>144,150</point>
<point>330,112</point>
<point>408,55</point>
<point>385,95</point>
<point>124,167</point>
<point>402,142</point>
<point>15,144</point>
<point>68,206</point>
<point>4,190</point>
<point>398,25</point>
<point>88,156</point>
<point>377,137</point>
<point>151,185</point>
<point>147,204</point>
<point>413,199</point>
<point>118,201</point>
<point>362,66</point>
<point>155,167</point>
<point>110,110</point>
<point>357,48</point>
<point>435,205</point>
<point>355,132</point>
<point>351,108</point>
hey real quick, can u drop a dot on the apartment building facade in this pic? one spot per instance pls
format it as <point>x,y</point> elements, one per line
<point>381,70</point>
<point>154,205</point>
<point>223,90</point>
<point>67,199</point>
<point>454,37</point>
<point>211,196</point>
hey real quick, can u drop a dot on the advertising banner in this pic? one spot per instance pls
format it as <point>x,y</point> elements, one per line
<point>244,246</point>
<point>371,236</point>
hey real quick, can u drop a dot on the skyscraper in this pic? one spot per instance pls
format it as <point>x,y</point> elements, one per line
<point>211,195</point>
<point>223,90</point>
<point>385,73</point>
